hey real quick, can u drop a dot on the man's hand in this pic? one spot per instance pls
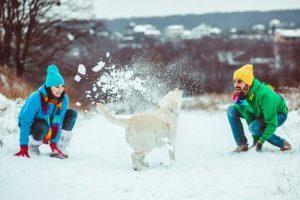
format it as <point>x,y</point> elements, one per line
<point>258,146</point>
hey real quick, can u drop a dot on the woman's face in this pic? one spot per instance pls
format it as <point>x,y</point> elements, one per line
<point>57,90</point>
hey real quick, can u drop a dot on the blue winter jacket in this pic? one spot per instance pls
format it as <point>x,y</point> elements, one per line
<point>32,110</point>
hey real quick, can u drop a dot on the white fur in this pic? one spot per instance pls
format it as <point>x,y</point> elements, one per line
<point>145,131</point>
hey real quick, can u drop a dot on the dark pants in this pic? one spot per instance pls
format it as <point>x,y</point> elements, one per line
<point>39,128</point>
<point>256,127</point>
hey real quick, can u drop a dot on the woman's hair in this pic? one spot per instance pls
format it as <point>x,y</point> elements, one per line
<point>51,96</point>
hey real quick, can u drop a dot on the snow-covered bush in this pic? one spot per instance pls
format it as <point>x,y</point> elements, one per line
<point>292,96</point>
<point>9,110</point>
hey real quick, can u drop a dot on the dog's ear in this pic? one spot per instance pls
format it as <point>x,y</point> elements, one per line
<point>178,92</point>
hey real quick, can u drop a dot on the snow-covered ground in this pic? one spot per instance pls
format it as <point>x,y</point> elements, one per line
<point>99,166</point>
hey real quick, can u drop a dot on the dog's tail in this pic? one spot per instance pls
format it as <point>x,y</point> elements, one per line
<point>110,117</point>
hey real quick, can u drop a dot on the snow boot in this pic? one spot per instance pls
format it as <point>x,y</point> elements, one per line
<point>241,148</point>
<point>64,141</point>
<point>34,145</point>
<point>286,146</point>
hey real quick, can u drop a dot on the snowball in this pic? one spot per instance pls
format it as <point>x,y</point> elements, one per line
<point>78,104</point>
<point>99,66</point>
<point>70,37</point>
<point>81,69</point>
<point>91,31</point>
<point>107,54</point>
<point>77,78</point>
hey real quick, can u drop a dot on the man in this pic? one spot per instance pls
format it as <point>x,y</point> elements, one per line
<point>261,106</point>
<point>45,117</point>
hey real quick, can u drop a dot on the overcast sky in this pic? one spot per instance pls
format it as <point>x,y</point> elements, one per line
<point>109,9</point>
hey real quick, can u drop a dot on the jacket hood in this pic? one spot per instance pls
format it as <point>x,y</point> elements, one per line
<point>42,89</point>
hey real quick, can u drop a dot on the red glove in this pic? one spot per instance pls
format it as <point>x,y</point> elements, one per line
<point>57,151</point>
<point>23,151</point>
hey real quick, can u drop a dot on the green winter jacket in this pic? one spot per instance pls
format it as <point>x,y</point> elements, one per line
<point>263,103</point>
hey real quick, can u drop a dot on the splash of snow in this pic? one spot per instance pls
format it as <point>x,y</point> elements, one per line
<point>135,83</point>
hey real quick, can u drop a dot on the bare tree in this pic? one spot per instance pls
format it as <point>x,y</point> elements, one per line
<point>23,23</point>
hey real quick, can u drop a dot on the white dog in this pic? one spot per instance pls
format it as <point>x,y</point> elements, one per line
<point>145,131</point>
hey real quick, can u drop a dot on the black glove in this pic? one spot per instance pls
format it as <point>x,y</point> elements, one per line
<point>258,146</point>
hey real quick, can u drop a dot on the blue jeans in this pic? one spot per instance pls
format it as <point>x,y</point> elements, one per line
<point>39,128</point>
<point>256,127</point>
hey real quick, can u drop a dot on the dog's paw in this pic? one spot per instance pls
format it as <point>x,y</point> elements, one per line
<point>145,164</point>
<point>137,169</point>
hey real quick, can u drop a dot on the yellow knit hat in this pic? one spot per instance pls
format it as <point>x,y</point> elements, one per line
<point>245,73</point>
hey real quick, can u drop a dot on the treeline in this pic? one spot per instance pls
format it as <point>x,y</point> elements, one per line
<point>225,21</point>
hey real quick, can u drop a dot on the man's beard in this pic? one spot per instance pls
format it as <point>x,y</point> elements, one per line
<point>243,90</point>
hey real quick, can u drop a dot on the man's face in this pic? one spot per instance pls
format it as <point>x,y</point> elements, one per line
<point>240,86</point>
<point>57,90</point>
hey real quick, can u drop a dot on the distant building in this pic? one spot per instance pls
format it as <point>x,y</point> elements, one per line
<point>116,36</point>
<point>239,58</point>
<point>204,30</point>
<point>250,37</point>
<point>231,58</point>
<point>174,33</point>
<point>136,35</point>
<point>148,30</point>
<point>286,47</point>
<point>259,28</point>
<point>233,30</point>
<point>273,25</point>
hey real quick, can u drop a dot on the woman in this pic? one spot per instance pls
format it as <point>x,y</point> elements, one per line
<point>44,118</point>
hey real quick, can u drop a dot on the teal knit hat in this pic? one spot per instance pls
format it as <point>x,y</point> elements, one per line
<point>53,77</point>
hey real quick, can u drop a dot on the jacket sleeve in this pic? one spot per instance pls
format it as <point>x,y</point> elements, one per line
<point>29,111</point>
<point>65,105</point>
<point>245,113</point>
<point>270,116</point>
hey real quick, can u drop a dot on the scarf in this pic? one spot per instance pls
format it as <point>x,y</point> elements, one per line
<point>54,124</point>
<point>239,99</point>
